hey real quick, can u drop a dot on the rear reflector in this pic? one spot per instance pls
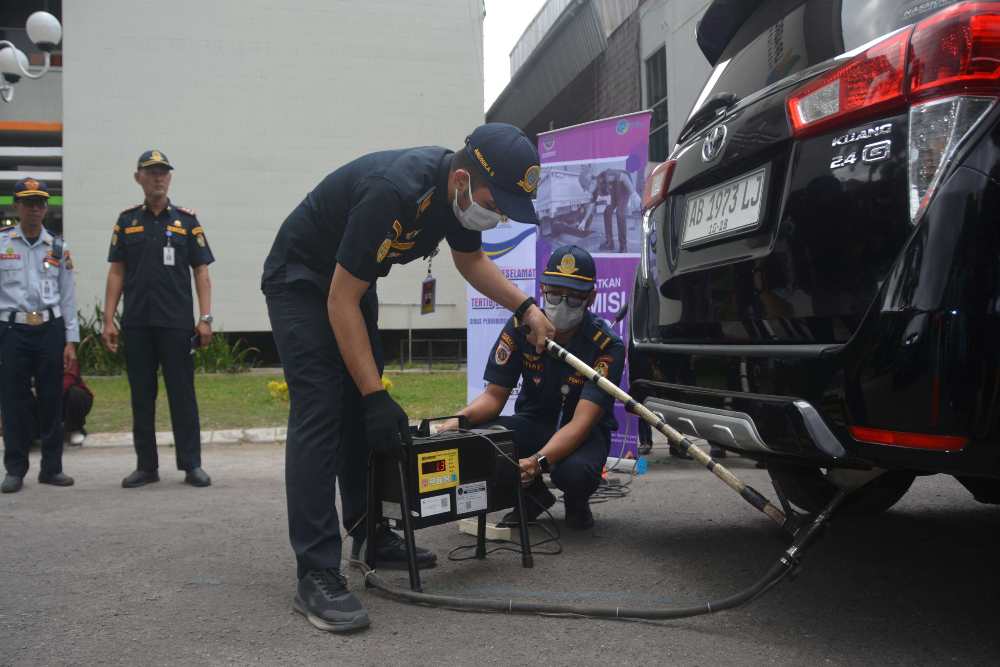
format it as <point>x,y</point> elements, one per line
<point>657,185</point>
<point>937,129</point>
<point>939,443</point>
<point>866,84</point>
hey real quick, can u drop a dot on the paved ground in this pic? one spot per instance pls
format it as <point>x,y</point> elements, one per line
<point>170,574</point>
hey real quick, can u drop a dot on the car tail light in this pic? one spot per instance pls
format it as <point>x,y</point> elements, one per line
<point>655,193</point>
<point>947,68</point>
<point>939,443</point>
<point>956,49</point>
<point>865,85</point>
<point>657,185</point>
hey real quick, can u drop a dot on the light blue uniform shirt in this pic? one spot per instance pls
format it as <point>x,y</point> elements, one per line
<point>31,279</point>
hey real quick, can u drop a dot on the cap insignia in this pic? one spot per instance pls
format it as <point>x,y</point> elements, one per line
<point>530,181</point>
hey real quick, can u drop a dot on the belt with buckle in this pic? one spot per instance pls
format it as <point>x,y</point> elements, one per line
<point>32,318</point>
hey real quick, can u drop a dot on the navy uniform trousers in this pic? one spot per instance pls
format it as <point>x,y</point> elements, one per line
<point>146,349</point>
<point>577,475</point>
<point>326,436</point>
<point>28,352</point>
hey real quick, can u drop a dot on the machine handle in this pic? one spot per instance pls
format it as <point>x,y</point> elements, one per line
<point>424,430</point>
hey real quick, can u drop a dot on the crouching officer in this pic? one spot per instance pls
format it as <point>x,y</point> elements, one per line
<point>380,210</point>
<point>38,333</point>
<point>562,423</point>
<point>155,247</point>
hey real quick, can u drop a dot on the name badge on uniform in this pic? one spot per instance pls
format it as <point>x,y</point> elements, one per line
<point>427,295</point>
<point>168,256</point>
<point>48,290</point>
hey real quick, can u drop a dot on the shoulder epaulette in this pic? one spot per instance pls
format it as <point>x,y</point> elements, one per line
<point>601,337</point>
<point>189,211</point>
<point>130,208</point>
<point>6,228</point>
<point>425,201</point>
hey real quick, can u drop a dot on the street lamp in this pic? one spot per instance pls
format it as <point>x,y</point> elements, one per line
<point>46,33</point>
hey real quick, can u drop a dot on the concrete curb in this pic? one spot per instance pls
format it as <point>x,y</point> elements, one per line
<point>237,436</point>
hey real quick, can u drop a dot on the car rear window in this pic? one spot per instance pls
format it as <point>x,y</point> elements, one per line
<point>784,37</point>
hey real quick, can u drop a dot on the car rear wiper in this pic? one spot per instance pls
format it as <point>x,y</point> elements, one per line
<point>707,113</point>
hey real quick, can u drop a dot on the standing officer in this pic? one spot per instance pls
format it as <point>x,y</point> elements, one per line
<point>38,332</point>
<point>154,247</point>
<point>562,423</point>
<point>382,209</point>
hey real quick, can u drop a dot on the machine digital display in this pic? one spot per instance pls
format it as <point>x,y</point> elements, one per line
<point>429,467</point>
<point>437,470</point>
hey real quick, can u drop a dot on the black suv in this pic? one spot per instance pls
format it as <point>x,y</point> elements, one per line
<point>820,281</point>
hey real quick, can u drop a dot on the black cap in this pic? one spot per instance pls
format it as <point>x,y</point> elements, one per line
<point>154,158</point>
<point>30,187</point>
<point>570,266</point>
<point>509,161</point>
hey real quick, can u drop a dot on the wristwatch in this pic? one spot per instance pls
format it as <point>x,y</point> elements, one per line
<point>543,463</point>
<point>207,319</point>
<point>523,308</point>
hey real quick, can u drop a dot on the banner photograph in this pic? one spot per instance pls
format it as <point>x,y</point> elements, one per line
<point>590,195</point>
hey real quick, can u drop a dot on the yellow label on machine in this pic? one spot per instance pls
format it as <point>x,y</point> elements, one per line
<point>438,470</point>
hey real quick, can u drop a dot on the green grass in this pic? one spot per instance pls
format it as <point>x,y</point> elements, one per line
<point>242,400</point>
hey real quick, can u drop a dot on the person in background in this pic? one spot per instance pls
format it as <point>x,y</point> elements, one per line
<point>78,399</point>
<point>38,336</point>
<point>155,248</point>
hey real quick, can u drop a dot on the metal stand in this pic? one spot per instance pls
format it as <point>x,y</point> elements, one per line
<point>375,518</point>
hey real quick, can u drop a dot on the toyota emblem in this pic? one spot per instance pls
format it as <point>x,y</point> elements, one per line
<point>714,141</point>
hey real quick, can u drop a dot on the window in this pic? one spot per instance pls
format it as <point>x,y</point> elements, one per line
<point>656,97</point>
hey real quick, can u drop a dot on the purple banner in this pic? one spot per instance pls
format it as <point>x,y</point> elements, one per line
<point>590,195</point>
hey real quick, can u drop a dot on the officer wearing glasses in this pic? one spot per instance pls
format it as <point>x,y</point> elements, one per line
<point>562,423</point>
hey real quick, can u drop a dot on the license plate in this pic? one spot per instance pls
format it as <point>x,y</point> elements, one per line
<point>731,207</point>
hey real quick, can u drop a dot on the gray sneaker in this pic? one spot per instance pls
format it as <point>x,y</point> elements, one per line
<point>322,597</point>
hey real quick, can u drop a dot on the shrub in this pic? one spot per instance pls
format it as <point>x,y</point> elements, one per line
<point>218,356</point>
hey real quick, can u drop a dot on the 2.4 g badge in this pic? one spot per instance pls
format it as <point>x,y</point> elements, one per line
<point>875,151</point>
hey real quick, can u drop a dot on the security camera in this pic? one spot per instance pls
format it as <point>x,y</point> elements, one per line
<point>44,30</point>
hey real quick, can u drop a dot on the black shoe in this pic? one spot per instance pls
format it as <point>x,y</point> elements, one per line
<point>537,499</point>
<point>322,597</point>
<point>578,515</point>
<point>11,484</point>
<point>58,479</point>
<point>717,452</point>
<point>197,477</point>
<point>140,478</point>
<point>390,552</point>
<point>678,454</point>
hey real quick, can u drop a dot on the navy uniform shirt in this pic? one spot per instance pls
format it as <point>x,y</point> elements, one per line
<point>543,378</point>
<point>382,209</point>
<point>157,295</point>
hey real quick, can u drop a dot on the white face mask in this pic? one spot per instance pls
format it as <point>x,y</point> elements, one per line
<point>564,317</point>
<point>476,218</point>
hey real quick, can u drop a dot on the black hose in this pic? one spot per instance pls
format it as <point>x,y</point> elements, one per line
<point>772,577</point>
<point>787,563</point>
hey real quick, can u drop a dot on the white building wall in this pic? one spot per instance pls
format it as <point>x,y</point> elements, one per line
<point>255,101</point>
<point>674,23</point>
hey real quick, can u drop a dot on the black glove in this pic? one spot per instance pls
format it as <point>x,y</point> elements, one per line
<point>386,425</point>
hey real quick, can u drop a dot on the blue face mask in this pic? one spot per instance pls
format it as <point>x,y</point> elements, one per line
<point>475,218</point>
